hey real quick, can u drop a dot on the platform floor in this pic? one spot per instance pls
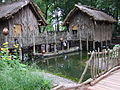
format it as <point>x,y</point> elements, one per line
<point>112,82</point>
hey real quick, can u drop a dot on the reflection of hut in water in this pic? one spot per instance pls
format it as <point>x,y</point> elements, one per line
<point>89,25</point>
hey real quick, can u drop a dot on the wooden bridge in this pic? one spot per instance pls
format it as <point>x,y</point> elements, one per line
<point>105,72</point>
<point>110,81</point>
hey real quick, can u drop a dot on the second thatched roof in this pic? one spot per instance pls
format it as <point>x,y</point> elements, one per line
<point>94,13</point>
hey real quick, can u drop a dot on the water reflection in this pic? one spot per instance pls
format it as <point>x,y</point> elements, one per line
<point>68,65</point>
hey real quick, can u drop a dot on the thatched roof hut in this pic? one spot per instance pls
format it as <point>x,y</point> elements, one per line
<point>23,18</point>
<point>91,12</point>
<point>89,24</point>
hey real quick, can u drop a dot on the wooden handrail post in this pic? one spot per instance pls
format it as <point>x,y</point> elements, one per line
<point>86,67</point>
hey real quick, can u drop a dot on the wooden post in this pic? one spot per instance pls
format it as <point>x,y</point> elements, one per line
<point>101,45</point>
<point>20,47</point>
<point>50,47</point>
<point>68,46</point>
<point>110,42</point>
<point>45,48</point>
<point>40,48</point>
<point>46,42</point>
<point>87,43</point>
<point>93,44</point>
<point>55,42</point>
<point>106,43</point>
<point>33,43</point>
<point>80,40</point>
<point>6,38</point>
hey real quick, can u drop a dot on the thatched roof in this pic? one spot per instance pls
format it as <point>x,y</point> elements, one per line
<point>94,13</point>
<point>7,10</point>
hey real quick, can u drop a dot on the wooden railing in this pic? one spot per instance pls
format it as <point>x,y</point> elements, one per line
<point>101,62</point>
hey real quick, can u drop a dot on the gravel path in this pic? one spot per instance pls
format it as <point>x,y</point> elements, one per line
<point>56,80</point>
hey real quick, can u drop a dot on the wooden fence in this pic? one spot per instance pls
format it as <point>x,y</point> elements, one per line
<point>101,62</point>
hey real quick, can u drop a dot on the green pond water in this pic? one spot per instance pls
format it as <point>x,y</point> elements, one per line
<point>67,65</point>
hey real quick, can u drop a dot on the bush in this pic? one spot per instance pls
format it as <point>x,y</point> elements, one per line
<point>17,76</point>
<point>15,79</point>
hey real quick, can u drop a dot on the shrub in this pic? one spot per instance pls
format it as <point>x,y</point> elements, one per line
<point>17,76</point>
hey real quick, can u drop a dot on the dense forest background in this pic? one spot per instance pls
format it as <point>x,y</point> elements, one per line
<point>55,11</point>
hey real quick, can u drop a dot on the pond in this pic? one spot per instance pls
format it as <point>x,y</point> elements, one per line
<point>67,65</point>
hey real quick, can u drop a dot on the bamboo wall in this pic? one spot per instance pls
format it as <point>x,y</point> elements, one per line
<point>88,28</point>
<point>28,22</point>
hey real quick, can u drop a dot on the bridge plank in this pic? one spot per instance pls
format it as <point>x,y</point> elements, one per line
<point>111,82</point>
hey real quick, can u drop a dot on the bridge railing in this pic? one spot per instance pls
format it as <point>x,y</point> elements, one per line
<point>101,62</point>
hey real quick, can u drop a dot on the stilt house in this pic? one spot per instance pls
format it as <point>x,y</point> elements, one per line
<point>89,24</point>
<point>23,19</point>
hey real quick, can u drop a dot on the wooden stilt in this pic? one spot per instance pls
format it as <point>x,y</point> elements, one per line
<point>80,40</point>
<point>40,48</point>
<point>45,48</point>
<point>55,50</point>
<point>46,42</point>
<point>87,43</point>
<point>20,51</point>
<point>33,43</point>
<point>87,48</point>
<point>50,47</point>
<point>101,44</point>
<point>110,42</point>
<point>106,43</point>
<point>68,47</point>
<point>94,44</point>
<point>61,44</point>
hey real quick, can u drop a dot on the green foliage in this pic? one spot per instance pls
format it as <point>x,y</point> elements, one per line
<point>16,79</point>
<point>17,76</point>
